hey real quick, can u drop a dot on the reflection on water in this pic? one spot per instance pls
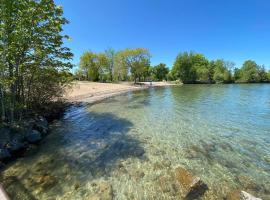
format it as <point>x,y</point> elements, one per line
<point>128,146</point>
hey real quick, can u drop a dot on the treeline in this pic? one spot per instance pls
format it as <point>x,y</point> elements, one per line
<point>195,68</point>
<point>34,64</point>
<point>189,67</point>
<point>124,65</point>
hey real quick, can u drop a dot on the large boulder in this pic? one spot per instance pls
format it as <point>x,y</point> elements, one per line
<point>4,154</point>
<point>192,187</point>
<point>34,137</point>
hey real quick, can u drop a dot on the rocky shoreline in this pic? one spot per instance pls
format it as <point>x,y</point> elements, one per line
<point>21,138</point>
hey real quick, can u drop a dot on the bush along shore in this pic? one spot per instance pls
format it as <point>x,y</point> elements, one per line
<point>22,137</point>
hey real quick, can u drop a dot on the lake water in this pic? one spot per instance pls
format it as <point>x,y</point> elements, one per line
<point>127,147</point>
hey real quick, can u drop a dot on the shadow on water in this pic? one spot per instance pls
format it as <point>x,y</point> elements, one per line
<point>81,148</point>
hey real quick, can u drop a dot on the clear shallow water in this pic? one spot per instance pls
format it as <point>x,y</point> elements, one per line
<point>127,147</point>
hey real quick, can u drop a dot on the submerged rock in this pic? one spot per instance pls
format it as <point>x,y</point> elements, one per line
<point>192,187</point>
<point>41,124</point>
<point>240,195</point>
<point>246,196</point>
<point>34,137</point>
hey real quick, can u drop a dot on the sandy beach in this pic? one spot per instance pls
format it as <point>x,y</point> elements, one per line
<point>90,92</point>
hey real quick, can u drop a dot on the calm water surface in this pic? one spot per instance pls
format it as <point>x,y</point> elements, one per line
<point>127,147</point>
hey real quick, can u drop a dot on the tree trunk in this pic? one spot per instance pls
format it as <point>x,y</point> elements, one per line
<point>3,112</point>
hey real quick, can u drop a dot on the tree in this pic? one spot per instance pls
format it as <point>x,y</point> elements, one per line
<point>135,61</point>
<point>222,73</point>
<point>160,72</point>
<point>121,69</point>
<point>190,67</point>
<point>31,46</point>
<point>88,65</point>
<point>249,73</point>
<point>110,54</point>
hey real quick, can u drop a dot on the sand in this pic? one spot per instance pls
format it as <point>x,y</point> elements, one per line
<point>90,92</point>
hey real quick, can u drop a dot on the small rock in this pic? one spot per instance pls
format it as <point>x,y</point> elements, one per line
<point>34,137</point>
<point>192,187</point>
<point>76,186</point>
<point>246,196</point>
<point>138,152</point>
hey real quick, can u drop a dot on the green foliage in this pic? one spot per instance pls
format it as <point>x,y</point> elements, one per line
<point>195,68</point>
<point>222,72</point>
<point>32,51</point>
<point>160,72</point>
<point>251,72</point>
<point>105,66</point>
<point>136,61</point>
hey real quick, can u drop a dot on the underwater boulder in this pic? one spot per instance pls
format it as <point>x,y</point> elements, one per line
<point>192,187</point>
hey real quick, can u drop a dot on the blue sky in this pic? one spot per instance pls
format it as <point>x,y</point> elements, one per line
<point>234,30</point>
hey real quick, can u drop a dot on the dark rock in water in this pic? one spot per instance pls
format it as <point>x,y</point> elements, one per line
<point>192,187</point>
<point>138,152</point>
<point>15,146</point>
<point>41,124</point>
<point>76,186</point>
<point>4,154</point>
<point>34,137</point>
